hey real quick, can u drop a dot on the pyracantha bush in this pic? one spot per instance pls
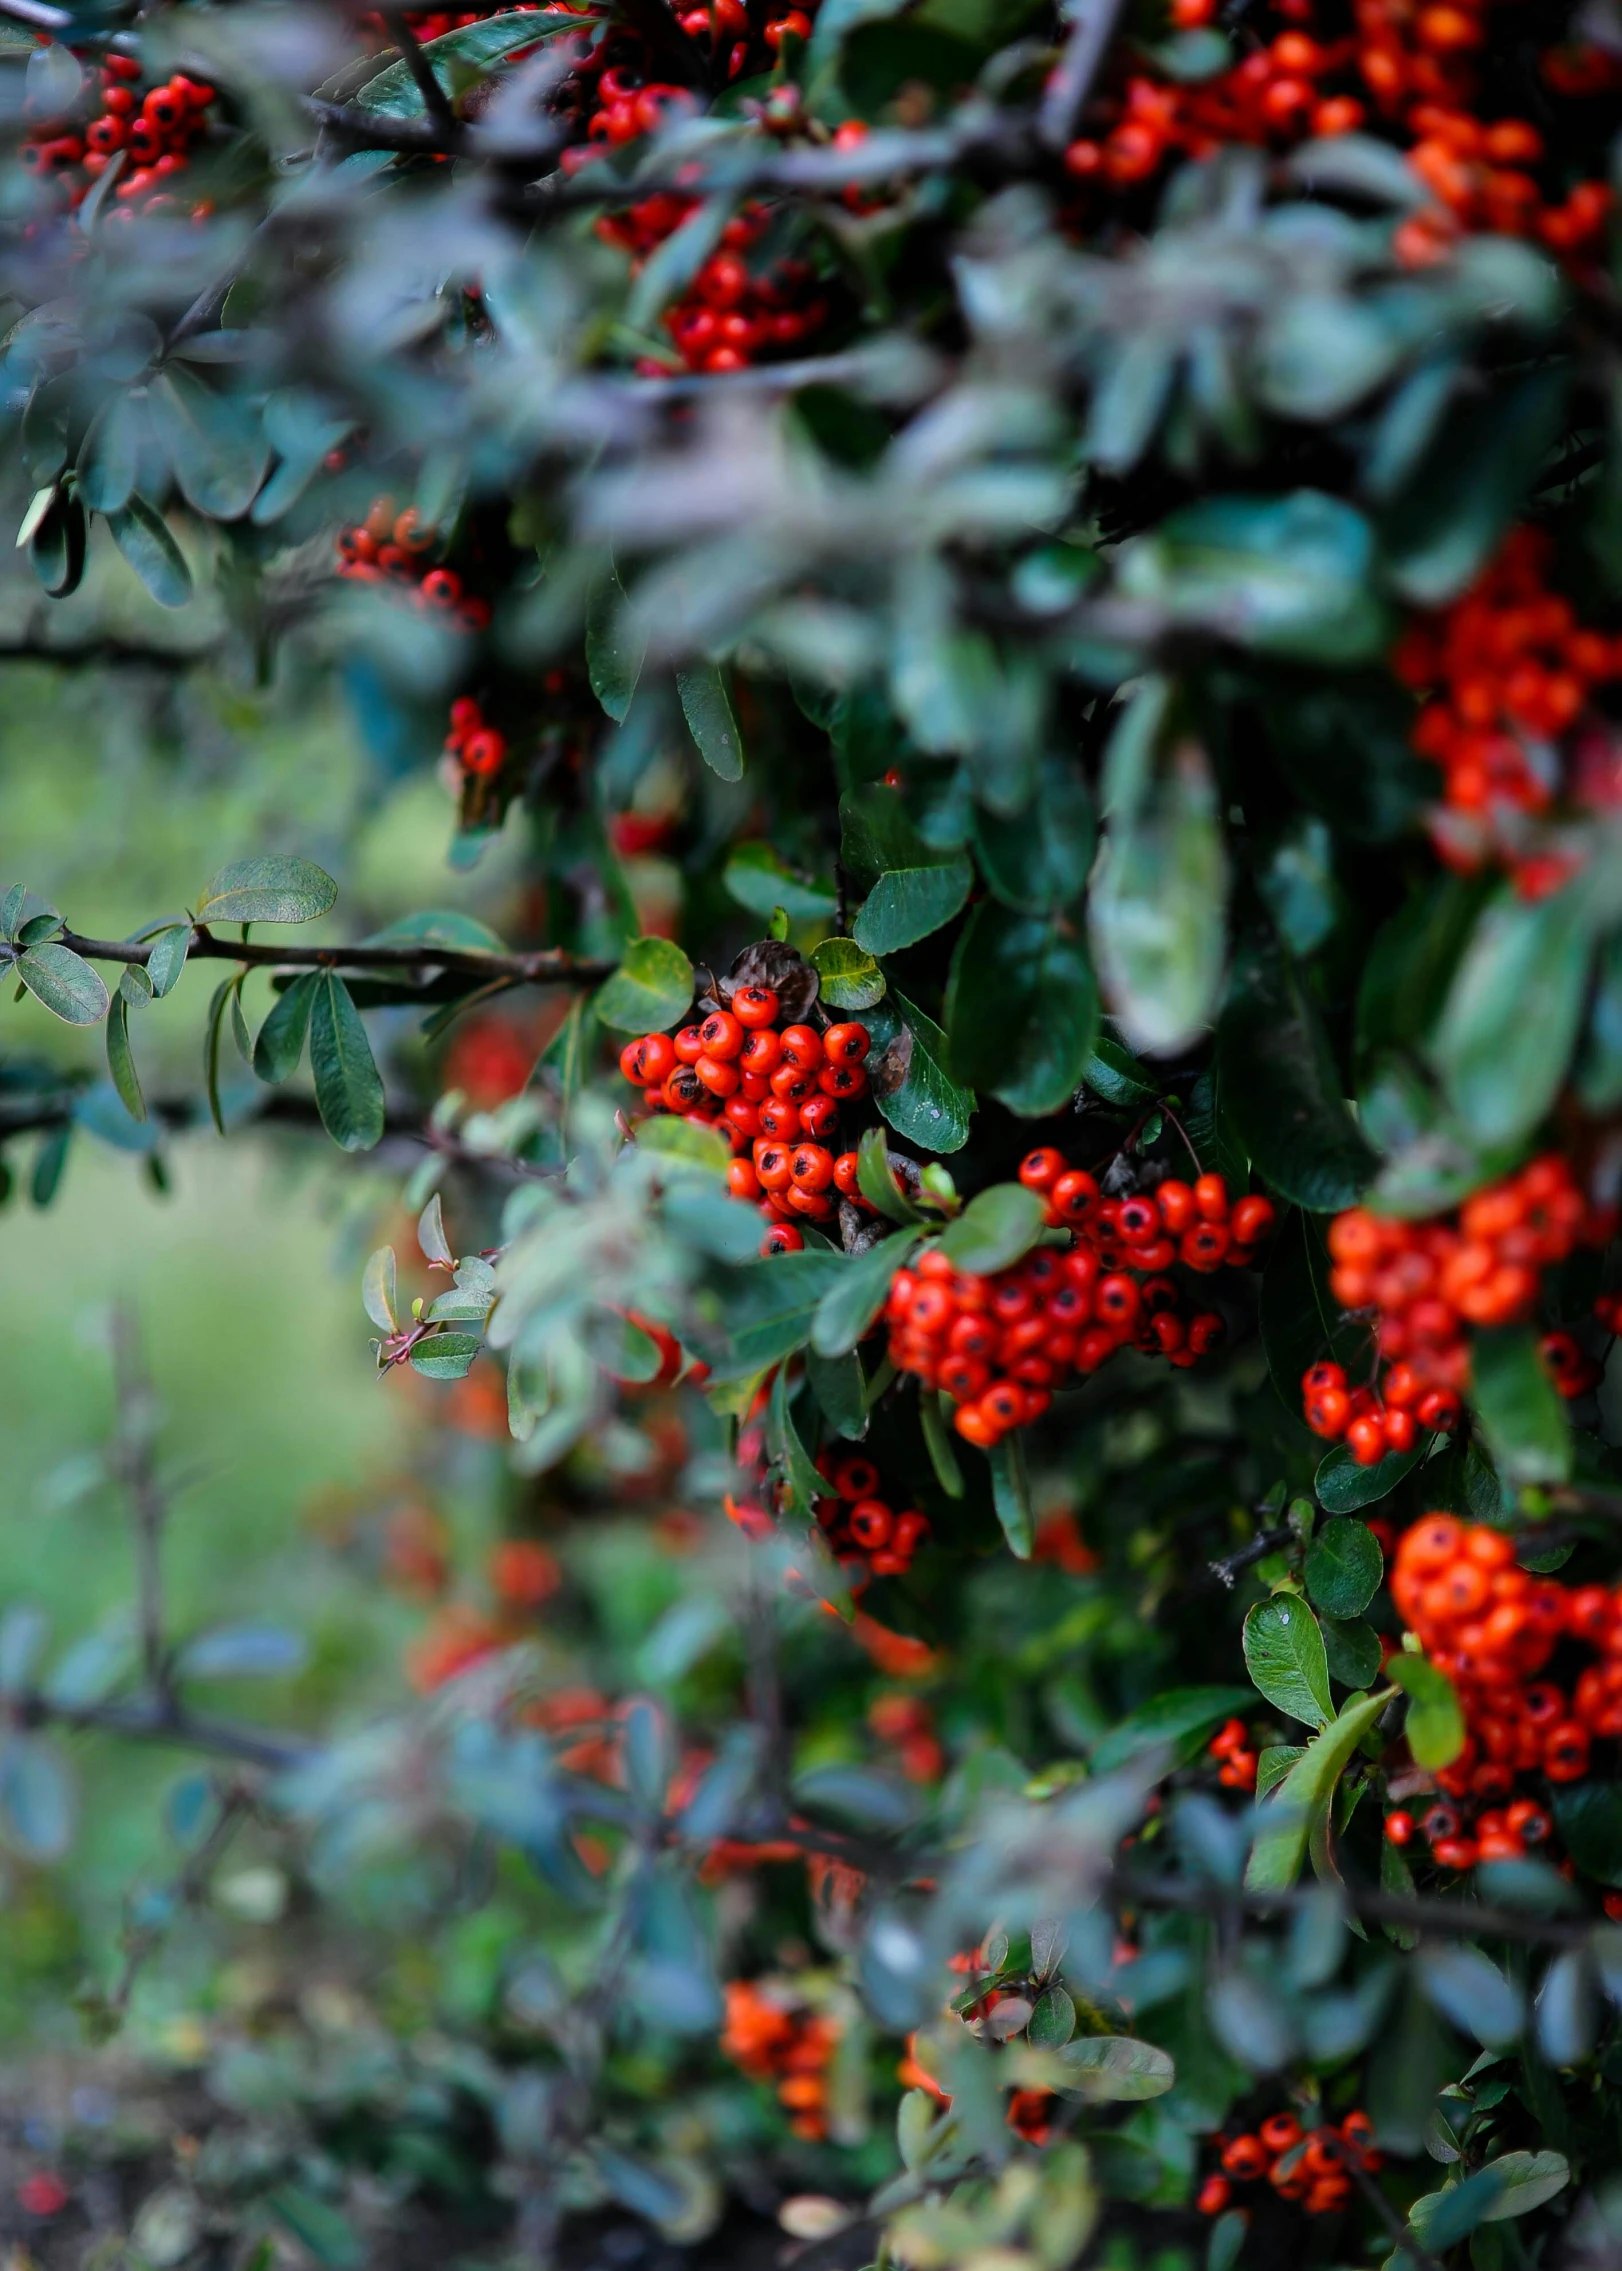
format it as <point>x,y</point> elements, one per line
<point>1016,1128</point>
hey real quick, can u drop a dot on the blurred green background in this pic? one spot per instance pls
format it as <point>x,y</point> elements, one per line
<point>121,792</point>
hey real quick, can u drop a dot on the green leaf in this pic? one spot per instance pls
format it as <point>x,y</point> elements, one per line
<point>440,926</point>
<point>213,1026</point>
<point>56,550</point>
<point>769,1311</point>
<point>995,1229</point>
<point>121,1060</point>
<point>142,535</point>
<point>1117,1077</point>
<point>1343,1487</point>
<point>64,983</point>
<point>1525,2181</point>
<point>1114,2068</point>
<point>1036,861</point>
<point>459,59</point>
<point>650,991</point>
<point>1470,485</point>
<point>272,889</point>
<point>166,958</point>
<point>1599,1071</point>
<point>1053,2020</point>
<point>707,707</point>
<point>1522,1413</point>
<point>1291,576</point>
<point>445,1356</point>
<point>1435,1729</point>
<point>1274,1763</point>
<point>877,1182</point>
<point>910,1088</point>
<point>1289,1816</point>
<point>379,1290</point>
<point>134,986</point>
<point>798,1467</point>
<point>1344,1567</point>
<point>318,2226</point>
<point>1284,1655</point>
<point>1280,1086</point>
<point>913,886</point>
<point>1588,1817</point>
<point>938,1443</point>
<point>280,1045</point>
<point>110,459</point>
<point>1509,1026</point>
<point>1353,1651</point>
<point>1011,1494</point>
<point>1157,908</point>
<point>675,1138</point>
<point>849,1305</point>
<point>213,441</point>
<point>38,1809</point>
<point>1021,1010</point>
<point>348,1092</point>
<point>614,651</point>
<point>758,879</point>
<point>840,1390</point>
<point>849,978</point>
<point>1177,1721</point>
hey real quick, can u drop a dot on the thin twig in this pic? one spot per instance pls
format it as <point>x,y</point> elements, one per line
<point>1235,1564</point>
<point>160,1720</point>
<point>435,100</point>
<point>546,966</point>
<point>1416,1912</point>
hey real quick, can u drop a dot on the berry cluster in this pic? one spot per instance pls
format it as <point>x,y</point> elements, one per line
<point>152,135</point>
<point>1307,2165</point>
<point>1237,1755</point>
<point>479,749</point>
<point>772,2037</point>
<point>1492,1628</point>
<point>1426,1282</point>
<point>1409,69</point>
<point>999,1345</point>
<point>1507,673</point>
<point>869,1539</point>
<point>394,547</point>
<point>775,1090</point>
<point>735,311</point>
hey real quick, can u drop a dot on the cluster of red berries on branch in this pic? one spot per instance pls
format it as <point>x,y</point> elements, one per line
<point>1409,68</point>
<point>1236,1755</point>
<point>150,134</point>
<point>394,547</point>
<point>1493,1627</point>
<point>907,1724</point>
<point>1507,673</point>
<point>1311,2166</point>
<point>772,2036</point>
<point>999,1345</point>
<point>479,748</point>
<point>1426,1282</point>
<point>738,308</point>
<point>523,1574</point>
<point>868,1537</point>
<point>775,1090</point>
<point>434,23</point>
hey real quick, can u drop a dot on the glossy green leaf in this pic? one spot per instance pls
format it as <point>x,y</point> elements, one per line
<point>1289,576</point>
<point>1344,1487</point>
<point>1284,1655</point>
<point>1021,1009</point>
<point>1011,1494</point>
<point>758,879</point>
<point>847,1308</point>
<point>213,442</point>
<point>56,550</point>
<point>64,983</point>
<point>909,1084</point>
<point>1114,2069</point>
<point>770,1309</point>
<point>1036,861</point>
<point>459,58</point>
<point>849,978</point>
<point>1157,909</point>
<point>379,1290</point>
<point>110,458</point>
<point>912,886</point>
<point>614,649</point>
<point>1289,1816</point>
<point>707,707</point>
<point>1471,484</point>
<point>121,1060</point>
<point>1301,1321</point>
<point>280,1045</point>
<point>1352,1650</point>
<point>446,1356</point>
<point>38,1804</point>
<point>1344,1567</point>
<point>166,958</point>
<point>348,1091</point>
<point>1176,1721</point>
<point>272,889</point>
<point>877,1180</point>
<point>650,991</point>
<point>1588,1820</point>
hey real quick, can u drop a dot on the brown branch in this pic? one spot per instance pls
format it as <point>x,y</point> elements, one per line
<point>435,100</point>
<point>1450,1919</point>
<point>159,1719</point>
<point>546,966</point>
